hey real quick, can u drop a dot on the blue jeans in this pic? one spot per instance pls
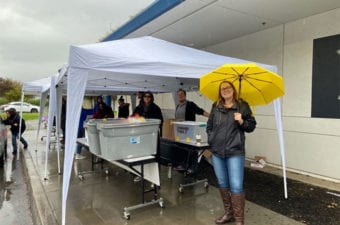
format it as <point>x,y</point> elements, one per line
<point>14,142</point>
<point>229,172</point>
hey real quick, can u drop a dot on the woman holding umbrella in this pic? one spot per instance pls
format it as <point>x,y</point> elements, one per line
<point>229,119</point>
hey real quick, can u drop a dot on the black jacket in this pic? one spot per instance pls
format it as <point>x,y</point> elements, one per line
<point>151,112</point>
<point>191,110</point>
<point>225,135</point>
<point>14,122</point>
<point>123,111</point>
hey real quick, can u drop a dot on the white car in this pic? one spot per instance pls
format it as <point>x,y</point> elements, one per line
<point>26,107</point>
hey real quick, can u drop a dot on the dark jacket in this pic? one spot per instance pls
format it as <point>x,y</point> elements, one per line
<point>123,111</point>
<point>106,112</point>
<point>225,135</point>
<point>14,122</point>
<point>191,110</point>
<point>151,112</point>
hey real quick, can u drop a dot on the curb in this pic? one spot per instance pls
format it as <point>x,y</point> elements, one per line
<point>42,212</point>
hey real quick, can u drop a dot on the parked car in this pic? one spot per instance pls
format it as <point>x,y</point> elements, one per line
<point>3,142</point>
<point>26,107</point>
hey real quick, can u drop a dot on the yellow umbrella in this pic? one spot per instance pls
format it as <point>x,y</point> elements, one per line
<point>256,85</point>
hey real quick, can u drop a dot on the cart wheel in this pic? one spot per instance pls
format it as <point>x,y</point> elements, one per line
<point>180,189</point>
<point>81,177</point>
<point>161,203</point>
<point>206,184</point>
<point>127,216</point>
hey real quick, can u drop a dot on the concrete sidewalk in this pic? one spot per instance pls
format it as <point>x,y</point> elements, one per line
<point>100,198</point>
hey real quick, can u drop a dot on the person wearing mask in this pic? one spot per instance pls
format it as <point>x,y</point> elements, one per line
<point>103,111</point>
<point>228,121</point>
<point>187,110</point>
<point>123,109</point>
<point>148,109</point>
<point>13,119</point>
<point>99,100</point>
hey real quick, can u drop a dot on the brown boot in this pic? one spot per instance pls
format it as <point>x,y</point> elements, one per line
<point>227,217</point>
<point>237,201</point>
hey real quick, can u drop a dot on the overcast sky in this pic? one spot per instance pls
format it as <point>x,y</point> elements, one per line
<point>36,34</point>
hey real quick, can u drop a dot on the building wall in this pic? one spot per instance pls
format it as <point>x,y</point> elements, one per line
<point>311,144</point>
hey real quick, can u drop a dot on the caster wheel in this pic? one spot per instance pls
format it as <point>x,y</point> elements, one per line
<point>127,216</point>
<point>180,189</point>
<point>206,184</point>
<point>161,204</point>
<point>81,177</point>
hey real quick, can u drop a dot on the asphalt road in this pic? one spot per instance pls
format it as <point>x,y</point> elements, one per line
<point>14,195</point>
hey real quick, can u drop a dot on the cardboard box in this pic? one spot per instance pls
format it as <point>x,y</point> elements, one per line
<point>188,131</point>
<point>258,157</point>
<point>168,129</point>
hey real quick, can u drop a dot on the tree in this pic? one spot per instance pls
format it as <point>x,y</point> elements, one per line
<point>10,89</point>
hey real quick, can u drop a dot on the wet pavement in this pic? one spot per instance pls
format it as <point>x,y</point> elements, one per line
<point>99,198</point>
<point>14,194</point>
<point>307,203</point>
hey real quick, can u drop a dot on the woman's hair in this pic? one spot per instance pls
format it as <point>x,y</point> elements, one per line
<point>151,95</point>
<point>99,97</point>
<point>220,99</point>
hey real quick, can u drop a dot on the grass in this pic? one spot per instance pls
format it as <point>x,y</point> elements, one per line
<point>25,116</point>
<point>30,116</point>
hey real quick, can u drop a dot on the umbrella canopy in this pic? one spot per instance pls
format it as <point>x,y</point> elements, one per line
<point>256,85</point>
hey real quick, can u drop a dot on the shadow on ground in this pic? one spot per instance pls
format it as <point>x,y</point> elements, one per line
<point>306,203</point>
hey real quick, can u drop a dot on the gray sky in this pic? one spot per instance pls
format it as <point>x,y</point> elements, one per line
<point>36,34</point>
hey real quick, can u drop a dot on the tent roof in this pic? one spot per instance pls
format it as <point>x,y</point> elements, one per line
<point>145,63</point>
<point>37,87</point>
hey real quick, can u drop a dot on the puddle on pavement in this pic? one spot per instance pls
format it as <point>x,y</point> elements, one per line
<point>14,196</point>
<point>6,185</point>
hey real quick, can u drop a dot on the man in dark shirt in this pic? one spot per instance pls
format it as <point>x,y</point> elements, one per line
<point>187,110</point>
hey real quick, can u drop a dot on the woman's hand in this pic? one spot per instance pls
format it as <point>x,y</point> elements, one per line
<point>238,118</point>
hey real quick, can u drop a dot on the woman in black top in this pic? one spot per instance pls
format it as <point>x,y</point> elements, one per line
<point>148,109</point>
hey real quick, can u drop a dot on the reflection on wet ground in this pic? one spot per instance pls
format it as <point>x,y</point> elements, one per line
<point>14,198</point>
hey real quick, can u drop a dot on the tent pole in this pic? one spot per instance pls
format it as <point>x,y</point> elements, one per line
<point>20,123</point>
<point>277,108</point>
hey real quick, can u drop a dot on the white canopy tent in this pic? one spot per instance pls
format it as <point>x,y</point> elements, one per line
<point>44,87</point>
<point>131,65</point>
<point>40,88</point>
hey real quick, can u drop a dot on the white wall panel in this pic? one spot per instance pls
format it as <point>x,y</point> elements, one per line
<point>312,144</point>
